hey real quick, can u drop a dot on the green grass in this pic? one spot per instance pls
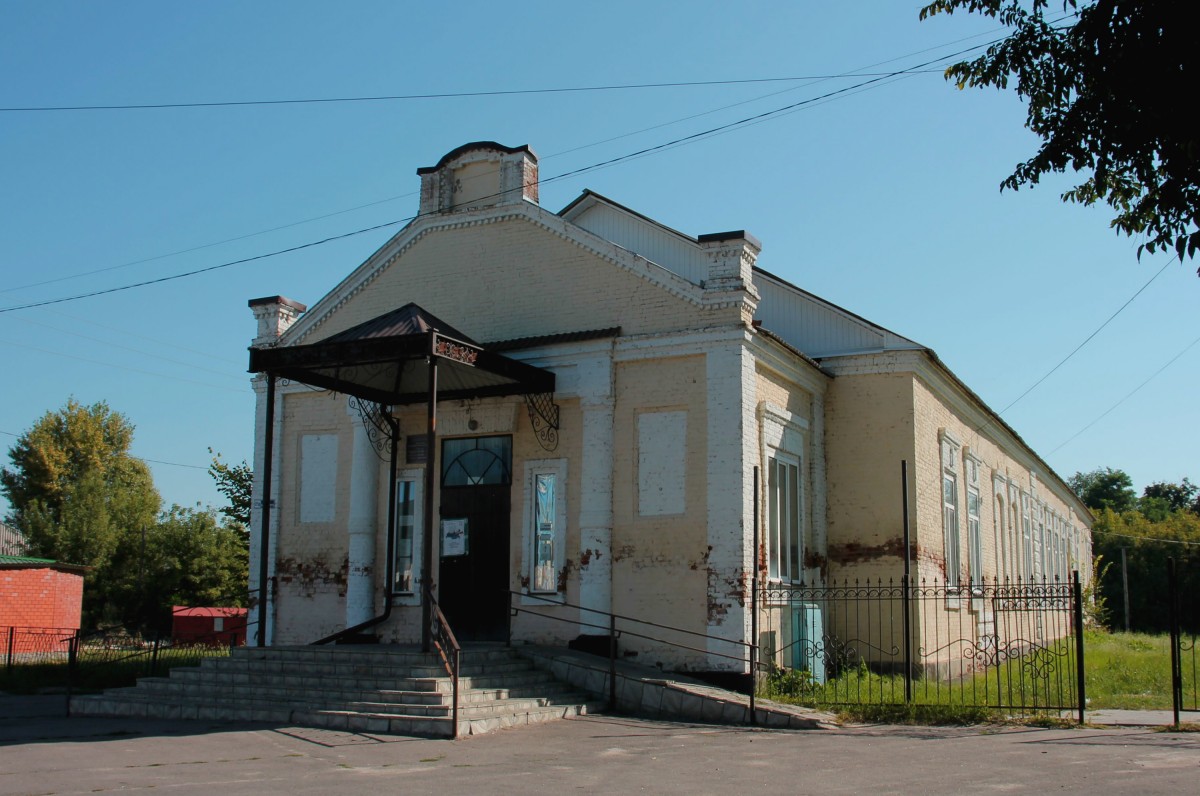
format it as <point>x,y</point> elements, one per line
<point>1122,670</point>
<point>101,669</point>
<point>1130,670</point>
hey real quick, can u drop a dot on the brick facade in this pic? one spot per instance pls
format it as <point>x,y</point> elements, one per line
<point>663,420</point>
<point>40,595</point>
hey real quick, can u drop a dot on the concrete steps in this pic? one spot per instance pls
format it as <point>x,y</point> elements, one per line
<point>375,689</point>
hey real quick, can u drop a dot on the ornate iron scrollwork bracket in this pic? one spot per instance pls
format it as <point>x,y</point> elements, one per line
<point>376,419</point>
<point>543,416</point>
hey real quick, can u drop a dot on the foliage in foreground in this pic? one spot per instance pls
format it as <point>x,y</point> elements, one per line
<point>1103,83</point>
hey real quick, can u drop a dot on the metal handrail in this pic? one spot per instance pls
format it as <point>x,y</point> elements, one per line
<point>614,633</point>
<point>449,650</point>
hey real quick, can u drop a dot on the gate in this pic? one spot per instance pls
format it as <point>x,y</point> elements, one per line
<point>1013,646</point>
<point>1181,615</point>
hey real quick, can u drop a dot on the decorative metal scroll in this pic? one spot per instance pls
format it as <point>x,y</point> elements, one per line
<point>543,416</point>
<point>376,419</point>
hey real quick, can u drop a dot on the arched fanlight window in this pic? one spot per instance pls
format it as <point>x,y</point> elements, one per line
<point>477,461</point>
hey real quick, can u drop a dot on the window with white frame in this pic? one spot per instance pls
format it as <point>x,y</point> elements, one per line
<point>950,527</point>
<point>785,519</point>
<point>1026,538</point>
<point>974,529</point>
<point>405,539</point>
<point>545,523</point>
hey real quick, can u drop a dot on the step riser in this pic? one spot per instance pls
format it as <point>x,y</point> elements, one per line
<point>341,688</point>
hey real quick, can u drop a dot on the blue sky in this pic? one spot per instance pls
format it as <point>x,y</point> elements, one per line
<point>883,199</point>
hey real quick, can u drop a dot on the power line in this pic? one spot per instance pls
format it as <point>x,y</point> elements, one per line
<point>1089,337</point>
<point>223,373</point>
<point>1146,538</point>
<point>1186,348</point>
<point>139,458</point>
<point>683,140</point>
<point>194,272</point>
<point>120,367</point>
<point>437,95</point>
<point>205,245</point>
<point>859,72</point>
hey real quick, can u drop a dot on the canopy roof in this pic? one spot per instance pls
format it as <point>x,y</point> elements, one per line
<point>384,360</point>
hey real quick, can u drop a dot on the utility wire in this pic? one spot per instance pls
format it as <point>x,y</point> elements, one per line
<point>139,458</point>
<point>1146,538</point>
<point>1172,361</point>
<point>223,373</point>
<point>121,367</point>
<point>1088,339</point>
<point>859,72</point>
<point>438,95</point>
<point>206,269</point>
<point>683,140</point>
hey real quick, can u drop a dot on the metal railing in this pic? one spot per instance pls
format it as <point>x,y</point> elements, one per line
<point>641,629</point>
<point>448,649</point>
<point>27,645</point>
<point>1013,646</point>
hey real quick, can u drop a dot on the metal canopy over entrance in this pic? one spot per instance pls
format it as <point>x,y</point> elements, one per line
<point>404,357</point>
<point>383,360</point>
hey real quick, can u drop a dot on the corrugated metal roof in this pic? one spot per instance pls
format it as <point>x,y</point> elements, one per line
<point>209,611</point>
<point>518,343</point>
<point>29,562</point>
<point>25,560</point>
<point>409,319</point>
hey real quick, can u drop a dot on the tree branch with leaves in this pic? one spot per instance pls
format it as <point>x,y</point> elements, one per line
<point>1107,84</point>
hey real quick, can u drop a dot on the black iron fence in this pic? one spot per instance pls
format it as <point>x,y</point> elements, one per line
<point>34,645</point>
<point>1181,614</point>
<point>1004,645</point>
<point>68,661</point>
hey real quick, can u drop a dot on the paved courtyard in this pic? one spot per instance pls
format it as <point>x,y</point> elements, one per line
<point>43,753</point>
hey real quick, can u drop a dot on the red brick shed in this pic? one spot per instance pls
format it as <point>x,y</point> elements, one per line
<point>39,593</point>
<point>208,625</point>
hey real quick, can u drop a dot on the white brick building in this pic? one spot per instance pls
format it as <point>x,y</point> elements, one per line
<point>602,452</point>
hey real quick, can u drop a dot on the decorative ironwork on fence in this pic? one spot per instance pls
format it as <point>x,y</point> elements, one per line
<point>1005,645</point>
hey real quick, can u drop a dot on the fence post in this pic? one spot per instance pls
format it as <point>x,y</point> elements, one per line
<point>612,662</point>
<point>753,646</point>
<point>8,665</point>
<point>154,655</point>
<point>1173,618</point>
<point>905,588</point>
<point>72,667</point>
<point>1077,599</point>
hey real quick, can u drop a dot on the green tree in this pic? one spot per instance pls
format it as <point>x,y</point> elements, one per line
<point>1104,488</point>
<point>1148,544</point>
<point>235,482</point>
<point>1106,93</point>
<point>78,495</point>
<point>188,558</point>
<point>1159,500</point>
<point>73,486</point>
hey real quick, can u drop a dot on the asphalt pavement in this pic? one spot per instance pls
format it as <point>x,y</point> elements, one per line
<point>43,752</point>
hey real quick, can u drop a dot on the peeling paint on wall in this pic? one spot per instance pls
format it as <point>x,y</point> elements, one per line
<point>309,577</point>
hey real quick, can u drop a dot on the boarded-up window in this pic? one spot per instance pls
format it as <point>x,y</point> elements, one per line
<point>662,456</point>
<point>318,477</point>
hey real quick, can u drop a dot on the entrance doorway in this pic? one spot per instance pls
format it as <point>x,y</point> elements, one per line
<point>475,499</point>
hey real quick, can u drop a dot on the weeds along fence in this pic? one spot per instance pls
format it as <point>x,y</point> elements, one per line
<point>1014,646</point>
<point>37,659</point>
